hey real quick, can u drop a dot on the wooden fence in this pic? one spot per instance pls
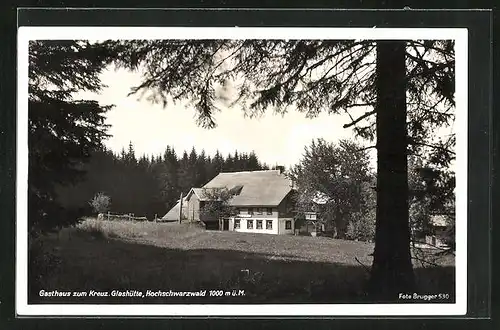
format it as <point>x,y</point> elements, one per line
<point>117,217</point>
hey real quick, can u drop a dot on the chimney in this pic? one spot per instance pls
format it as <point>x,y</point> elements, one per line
<point>281,168</point>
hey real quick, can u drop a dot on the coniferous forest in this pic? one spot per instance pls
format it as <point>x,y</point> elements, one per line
<point>146,186</point>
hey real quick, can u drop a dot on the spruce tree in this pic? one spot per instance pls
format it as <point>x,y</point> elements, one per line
<point>63,131</point>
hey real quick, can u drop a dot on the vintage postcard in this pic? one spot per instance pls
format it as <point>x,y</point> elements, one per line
<point>202,171</point>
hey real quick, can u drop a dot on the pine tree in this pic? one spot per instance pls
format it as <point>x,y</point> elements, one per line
<point>130,156</point>
<point>236,161</point>
<point>168,177</point>
<point>201,169</point>
<point>123,155</point>
<point>218,162</point>
<point>244,162</point>
<point>253,162</point>
<point>63,131</point>
<point>185,175</point>
<point>229,163</point>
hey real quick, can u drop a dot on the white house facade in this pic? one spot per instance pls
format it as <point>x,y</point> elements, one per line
<point>263,220</point>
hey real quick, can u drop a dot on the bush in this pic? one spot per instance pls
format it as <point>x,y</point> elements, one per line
<point>100,203</point>
<point>361,226</point>
<point>93,228</point>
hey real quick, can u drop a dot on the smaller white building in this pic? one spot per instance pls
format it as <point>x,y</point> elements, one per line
<point>439,226</point>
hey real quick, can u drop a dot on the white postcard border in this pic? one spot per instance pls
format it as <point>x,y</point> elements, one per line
<point>25,34</point>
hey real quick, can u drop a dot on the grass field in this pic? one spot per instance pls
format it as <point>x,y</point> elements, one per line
<point>113,255</point>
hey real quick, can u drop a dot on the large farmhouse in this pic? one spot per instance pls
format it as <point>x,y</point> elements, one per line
<point>261,202</point>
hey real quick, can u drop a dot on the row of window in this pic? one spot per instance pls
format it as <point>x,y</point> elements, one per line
<point>258,210</point>
<point>269,224</point>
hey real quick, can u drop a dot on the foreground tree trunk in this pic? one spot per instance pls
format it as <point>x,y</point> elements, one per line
<point>392,271</point>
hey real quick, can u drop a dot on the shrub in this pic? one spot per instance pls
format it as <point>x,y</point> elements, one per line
<point>100,203</point>
<point>361,226</point>
<point>94,228</point>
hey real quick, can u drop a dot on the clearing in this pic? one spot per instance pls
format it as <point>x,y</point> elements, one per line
<point>120,255</point>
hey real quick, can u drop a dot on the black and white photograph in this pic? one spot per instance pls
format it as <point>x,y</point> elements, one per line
<point>242,171</point>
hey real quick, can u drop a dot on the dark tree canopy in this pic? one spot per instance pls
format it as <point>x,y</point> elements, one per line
<point>334,176</point>
<point>63,131</point>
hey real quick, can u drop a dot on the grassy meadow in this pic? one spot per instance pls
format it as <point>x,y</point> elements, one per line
<point>122,255</point>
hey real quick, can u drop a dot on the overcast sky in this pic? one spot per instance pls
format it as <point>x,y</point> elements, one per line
<point>275,139</point>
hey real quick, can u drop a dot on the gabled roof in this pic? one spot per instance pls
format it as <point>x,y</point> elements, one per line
<point>256,188</point>
<point>173,214</point>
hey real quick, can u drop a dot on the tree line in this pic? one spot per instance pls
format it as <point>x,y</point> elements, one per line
<point>149,186</point>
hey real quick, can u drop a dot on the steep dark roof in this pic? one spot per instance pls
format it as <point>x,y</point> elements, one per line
<point>256,188</point>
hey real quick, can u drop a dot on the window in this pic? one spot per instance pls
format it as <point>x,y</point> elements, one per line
<point>237,224</point>
<point>288,224</point>
<point>250,210</point>
<point>260,210</point>
<point>269,224</point>
<point>270,210</point>
<point>249,224</point>
<point>259,224</point>
<point>242,211</point>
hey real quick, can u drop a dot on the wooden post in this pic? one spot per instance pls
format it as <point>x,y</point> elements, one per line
<point>180,209</point>
<point>156,216</point>
<point>108,215</point>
